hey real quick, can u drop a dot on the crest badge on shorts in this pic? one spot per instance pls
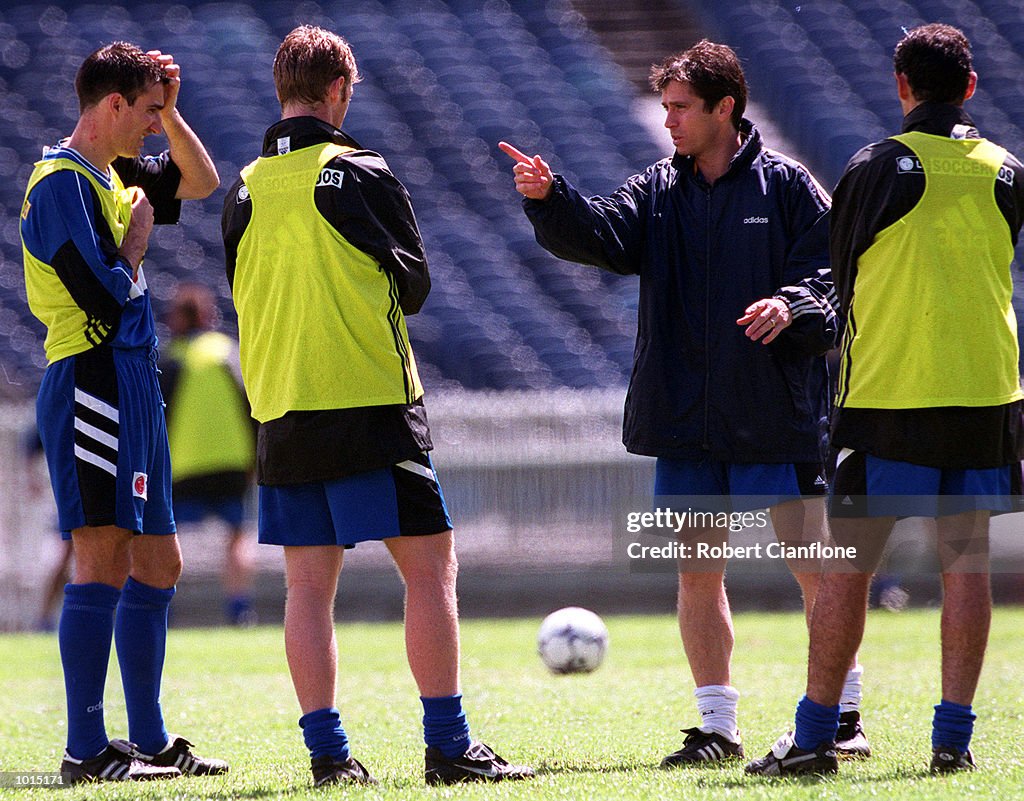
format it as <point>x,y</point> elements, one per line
<point>140,486</point>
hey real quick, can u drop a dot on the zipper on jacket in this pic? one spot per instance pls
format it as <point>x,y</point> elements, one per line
<point>707,323</point>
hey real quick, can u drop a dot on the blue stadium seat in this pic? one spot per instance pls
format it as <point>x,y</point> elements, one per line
<point>443,81</point>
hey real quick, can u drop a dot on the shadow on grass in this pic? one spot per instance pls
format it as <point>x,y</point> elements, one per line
<point>559,768</point>
<point>896,774</point>
<point>198,790</point>
<point>263,792</point>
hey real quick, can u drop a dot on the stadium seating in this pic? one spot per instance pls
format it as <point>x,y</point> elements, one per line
<point>826,66</point>
<point>442,83</point>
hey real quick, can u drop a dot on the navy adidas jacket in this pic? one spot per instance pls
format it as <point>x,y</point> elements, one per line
<point>704,253</point>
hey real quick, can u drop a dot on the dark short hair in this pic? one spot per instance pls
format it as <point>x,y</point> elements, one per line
<point>712,70</point>
<point>118,67</point>
<point>308,60</point>
<point>936,60</point>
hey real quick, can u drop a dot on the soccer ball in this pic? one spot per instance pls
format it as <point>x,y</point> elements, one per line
<point>572,640</point>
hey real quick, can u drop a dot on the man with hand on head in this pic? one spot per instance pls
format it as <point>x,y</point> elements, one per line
<point>325,260</point>
<point>729,384</point>
<point>89,209</point>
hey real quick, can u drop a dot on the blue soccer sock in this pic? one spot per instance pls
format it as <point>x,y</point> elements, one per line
<point>952,726</point>
<point>815,724</point>
<point>140,633</point>
<point>238,609</point>
<point>444,725</point>
<point>84,634</point>
<point>324,734</point>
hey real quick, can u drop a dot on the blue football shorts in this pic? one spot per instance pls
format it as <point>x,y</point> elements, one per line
<point>870,486</point>
<point>402,500</point>
<point>196,510</point>
<point>101,421</point>
<point>743,486</point>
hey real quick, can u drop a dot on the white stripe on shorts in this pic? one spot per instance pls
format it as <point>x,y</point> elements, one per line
<point>94,433</point>
<point>843,454</point>
<point>418,469</point>
<point>97,405</point>
<point>93,459</point>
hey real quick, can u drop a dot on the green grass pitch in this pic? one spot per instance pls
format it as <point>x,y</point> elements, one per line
<point>597,736</point>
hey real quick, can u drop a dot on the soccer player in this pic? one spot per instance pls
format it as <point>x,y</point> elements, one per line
<point>89,209</point>
<point>211,436</point>
<point>729,384</point>
<point>325,260</point>
<point>929,402</point>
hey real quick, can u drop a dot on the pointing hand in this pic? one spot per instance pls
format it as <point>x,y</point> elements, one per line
<point>534,178</point>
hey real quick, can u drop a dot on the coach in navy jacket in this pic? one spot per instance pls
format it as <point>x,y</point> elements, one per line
<point>729,386</point>
<point>704,253</point>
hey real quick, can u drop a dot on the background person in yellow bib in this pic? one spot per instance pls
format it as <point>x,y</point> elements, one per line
<point>928,411</point>
<point>211,436</point>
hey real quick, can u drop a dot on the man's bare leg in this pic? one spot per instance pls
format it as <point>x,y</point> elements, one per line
<point>705,625</point>
<point>429,569</point>
<point>309,640</point>
<point>966,619</point>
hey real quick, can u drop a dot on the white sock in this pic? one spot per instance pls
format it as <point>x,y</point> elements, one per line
<point>849,701</point>
<point>717,706</point>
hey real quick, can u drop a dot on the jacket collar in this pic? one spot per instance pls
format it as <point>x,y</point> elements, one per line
<point>939,119</point>
<point>750,146</point>
<point>296,133</point>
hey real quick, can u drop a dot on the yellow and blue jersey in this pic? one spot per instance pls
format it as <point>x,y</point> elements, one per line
<point>73,220</point>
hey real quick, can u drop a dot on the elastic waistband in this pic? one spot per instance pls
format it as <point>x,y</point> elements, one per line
<point>147,353</point>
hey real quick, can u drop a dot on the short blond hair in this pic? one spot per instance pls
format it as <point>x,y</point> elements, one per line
<point>307,61</point>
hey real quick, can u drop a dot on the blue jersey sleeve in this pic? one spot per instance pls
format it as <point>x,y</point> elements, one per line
<point>65,229</point>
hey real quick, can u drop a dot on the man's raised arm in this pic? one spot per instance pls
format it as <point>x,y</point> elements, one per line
<point>198,175</point>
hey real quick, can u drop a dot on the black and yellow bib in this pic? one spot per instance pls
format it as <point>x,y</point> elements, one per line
<point>931,322</point>
<point>319,322</point>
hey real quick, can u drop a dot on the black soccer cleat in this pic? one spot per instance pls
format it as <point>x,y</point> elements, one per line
<point>478,764</point>
<point>785,759</point>
<point>178,754</point>
<point>701,746</point>
<point>951,760</point>
<point>851,741</point>
<point>118,762</point>
<point>328,770</point>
